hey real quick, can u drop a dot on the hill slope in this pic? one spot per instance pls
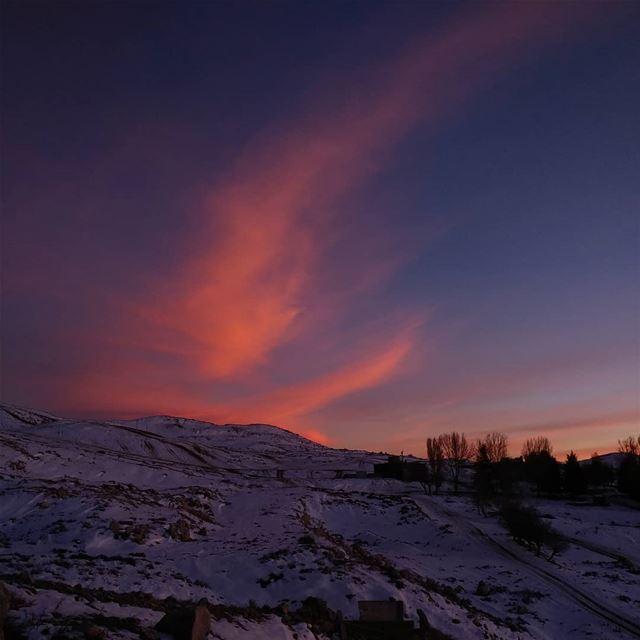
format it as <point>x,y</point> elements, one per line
<point>103,521</point>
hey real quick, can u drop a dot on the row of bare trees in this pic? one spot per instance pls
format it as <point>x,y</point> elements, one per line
<point>629,446</point>
<point>451,452</point>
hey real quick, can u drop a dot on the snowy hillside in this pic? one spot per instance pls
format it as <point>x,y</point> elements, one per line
<point>111,523</point>
<point>613,459</point>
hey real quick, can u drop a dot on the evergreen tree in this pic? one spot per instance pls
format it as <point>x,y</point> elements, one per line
<point>598,473</point>
<point>544,471</point>
<point>629,475</point>
<point>574,478</point>
<point>509,472</point>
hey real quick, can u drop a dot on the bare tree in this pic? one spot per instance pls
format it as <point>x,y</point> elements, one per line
<point>495,444</point>
<point>482,478</point>
<point>458,450</point>
<point>629,445</point>
<point>435,461</point>
<point>536,446</point>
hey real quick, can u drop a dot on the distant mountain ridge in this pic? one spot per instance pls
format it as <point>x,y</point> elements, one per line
<point>613,458</point>
<point>177,438</point>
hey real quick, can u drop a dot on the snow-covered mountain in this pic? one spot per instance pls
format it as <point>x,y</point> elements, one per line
<point>613,459</point>
<point>111,523</point>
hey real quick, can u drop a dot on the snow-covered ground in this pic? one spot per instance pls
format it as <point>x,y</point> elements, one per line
<point>101,522</point>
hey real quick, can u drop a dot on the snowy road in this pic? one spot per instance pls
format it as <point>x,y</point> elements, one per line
<point>532,564</point>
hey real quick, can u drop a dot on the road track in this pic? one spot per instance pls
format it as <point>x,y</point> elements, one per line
<point>575,594</point>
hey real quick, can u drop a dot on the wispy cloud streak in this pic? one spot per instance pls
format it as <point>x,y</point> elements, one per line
<point>262,249</point>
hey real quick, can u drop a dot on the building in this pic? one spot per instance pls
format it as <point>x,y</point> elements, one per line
<point>400,469</point>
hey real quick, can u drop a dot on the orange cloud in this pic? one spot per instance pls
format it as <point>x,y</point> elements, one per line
<point>308,396</point>
<point>267,224</point>
<point>127,393</point>
<point>316,436</point>
<point>142,389</point>
<point>252,283</point>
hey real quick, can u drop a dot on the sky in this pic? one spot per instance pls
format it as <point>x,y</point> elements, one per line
<point>367,222</point>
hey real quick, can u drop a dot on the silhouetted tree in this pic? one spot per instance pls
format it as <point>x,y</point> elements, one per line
<point>482,479</point>
<point>537,445</point>
<point>599,474</point>
<point>458,451</point>
<point>541,467</point>
<point>527,527</point>
<point>435,462</point>
<point>427,482</point>
<point>524,524</point>
<point>574,478</point>
<point>629,445</point>
<point>556,543</point>
<point>595,471</point>
<point>509,472</point>
<point>495,444</point>
<point>629,471</point>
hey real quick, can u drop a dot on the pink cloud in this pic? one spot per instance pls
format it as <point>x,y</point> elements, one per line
<point>267,224</point>
<point>256,280</point>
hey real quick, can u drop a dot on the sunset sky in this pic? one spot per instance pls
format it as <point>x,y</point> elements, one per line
<point>366,222</point>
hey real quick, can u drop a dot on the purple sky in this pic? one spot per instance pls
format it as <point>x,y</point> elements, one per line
<point>367,222</point>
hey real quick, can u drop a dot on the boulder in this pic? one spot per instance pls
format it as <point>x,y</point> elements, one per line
<point>180,530</point>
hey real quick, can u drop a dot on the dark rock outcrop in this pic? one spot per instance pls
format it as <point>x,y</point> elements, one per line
<point>187,623</point>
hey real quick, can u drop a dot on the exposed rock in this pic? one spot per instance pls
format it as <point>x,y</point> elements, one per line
<point>180,530</point>
<point>135,532</point>
<point>316,613</point>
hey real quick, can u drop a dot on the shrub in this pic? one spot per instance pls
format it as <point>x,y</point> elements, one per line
<point>527,527</point>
